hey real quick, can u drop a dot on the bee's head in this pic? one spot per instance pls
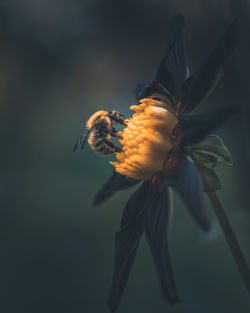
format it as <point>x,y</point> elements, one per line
<point>116,116</point>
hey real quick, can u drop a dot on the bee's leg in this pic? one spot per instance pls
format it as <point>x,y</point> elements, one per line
<point>121,121</point>
<point>113,132</point>
<point>113,147</point>
<point>118,149</point>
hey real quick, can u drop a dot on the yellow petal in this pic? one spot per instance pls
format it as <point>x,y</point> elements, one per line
<point>146,139</point>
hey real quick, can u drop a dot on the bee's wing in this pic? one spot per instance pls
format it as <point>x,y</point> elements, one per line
<point>81,141</point>
<point>199,85</point>
<point>115,183</point>
<point>173,69</point>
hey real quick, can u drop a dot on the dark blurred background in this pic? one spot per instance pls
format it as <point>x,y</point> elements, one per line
<point>60,61</point>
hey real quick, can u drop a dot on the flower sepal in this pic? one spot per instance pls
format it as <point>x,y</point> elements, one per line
<point>206,155</point>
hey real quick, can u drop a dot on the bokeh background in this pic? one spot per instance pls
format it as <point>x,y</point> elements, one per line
<point>60,61</point>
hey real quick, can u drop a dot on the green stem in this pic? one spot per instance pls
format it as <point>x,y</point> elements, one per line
<point>231,239</point>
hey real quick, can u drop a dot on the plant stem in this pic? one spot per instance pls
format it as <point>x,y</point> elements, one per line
<point>231,239</point>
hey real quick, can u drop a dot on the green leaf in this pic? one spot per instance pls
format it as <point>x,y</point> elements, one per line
<point>207,159</point>
<point>211,146</point>
<point>210,179</point>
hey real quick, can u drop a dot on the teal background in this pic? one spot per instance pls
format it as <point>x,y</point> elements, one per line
<point>61,61</point>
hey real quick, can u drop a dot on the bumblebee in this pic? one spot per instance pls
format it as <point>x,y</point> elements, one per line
<point>99,129</point>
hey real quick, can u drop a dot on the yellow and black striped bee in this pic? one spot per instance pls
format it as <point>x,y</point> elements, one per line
<point>100,130</point>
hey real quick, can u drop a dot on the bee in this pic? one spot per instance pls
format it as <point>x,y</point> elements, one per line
<point>99,129</point>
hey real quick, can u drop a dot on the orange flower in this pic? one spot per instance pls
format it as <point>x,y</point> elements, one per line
<point>147,138</point>
<point>158,147</point>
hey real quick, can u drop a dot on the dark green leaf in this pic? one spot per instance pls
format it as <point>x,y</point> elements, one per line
<point>211,146</point>
<point>210,179</point>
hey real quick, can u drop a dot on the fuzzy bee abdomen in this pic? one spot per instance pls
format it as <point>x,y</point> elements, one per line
<point>100,144</point>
